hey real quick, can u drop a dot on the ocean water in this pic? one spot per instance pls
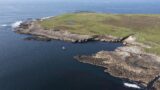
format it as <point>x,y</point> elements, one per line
<point>38,65</point>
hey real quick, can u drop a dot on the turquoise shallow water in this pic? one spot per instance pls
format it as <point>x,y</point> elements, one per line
<point>37,65</point>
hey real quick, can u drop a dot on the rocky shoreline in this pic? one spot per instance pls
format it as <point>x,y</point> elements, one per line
<point>33,28</point>
<point>127,62</point>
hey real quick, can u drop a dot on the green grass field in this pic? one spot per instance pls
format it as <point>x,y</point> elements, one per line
<point>146,27</point>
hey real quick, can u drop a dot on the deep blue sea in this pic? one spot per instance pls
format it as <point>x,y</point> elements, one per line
<point>38,65</point>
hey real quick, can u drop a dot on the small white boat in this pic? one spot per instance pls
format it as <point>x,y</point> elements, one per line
<point>63,48</point>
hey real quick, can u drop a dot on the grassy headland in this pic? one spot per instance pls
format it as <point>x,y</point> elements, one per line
<point>146,27</point>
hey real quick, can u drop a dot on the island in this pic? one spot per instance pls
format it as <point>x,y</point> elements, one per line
<point>137,60</point>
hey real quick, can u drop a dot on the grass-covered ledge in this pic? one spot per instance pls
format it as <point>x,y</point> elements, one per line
<point>146,27</point>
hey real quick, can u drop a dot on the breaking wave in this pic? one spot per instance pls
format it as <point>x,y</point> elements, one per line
<point>16,24</point>
<point>131,85</point>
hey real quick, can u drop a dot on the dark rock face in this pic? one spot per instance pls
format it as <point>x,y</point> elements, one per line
<point>157,85</point>
<point>128,62</point>
<point>154,84</point>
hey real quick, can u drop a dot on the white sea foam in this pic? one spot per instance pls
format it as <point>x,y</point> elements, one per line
<point>45,18</point>
<point>16,24</point>
<point>3,25</point>
<point>131,85</point>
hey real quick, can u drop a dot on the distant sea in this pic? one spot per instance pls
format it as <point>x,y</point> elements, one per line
<point>37,65</point>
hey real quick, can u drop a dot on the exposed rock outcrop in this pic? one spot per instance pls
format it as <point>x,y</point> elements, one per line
<point>129,62</point>
<point>157,85</point>
<point>154,84</point>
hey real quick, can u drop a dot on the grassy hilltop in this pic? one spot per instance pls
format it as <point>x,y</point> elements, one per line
<point>146,27</point>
